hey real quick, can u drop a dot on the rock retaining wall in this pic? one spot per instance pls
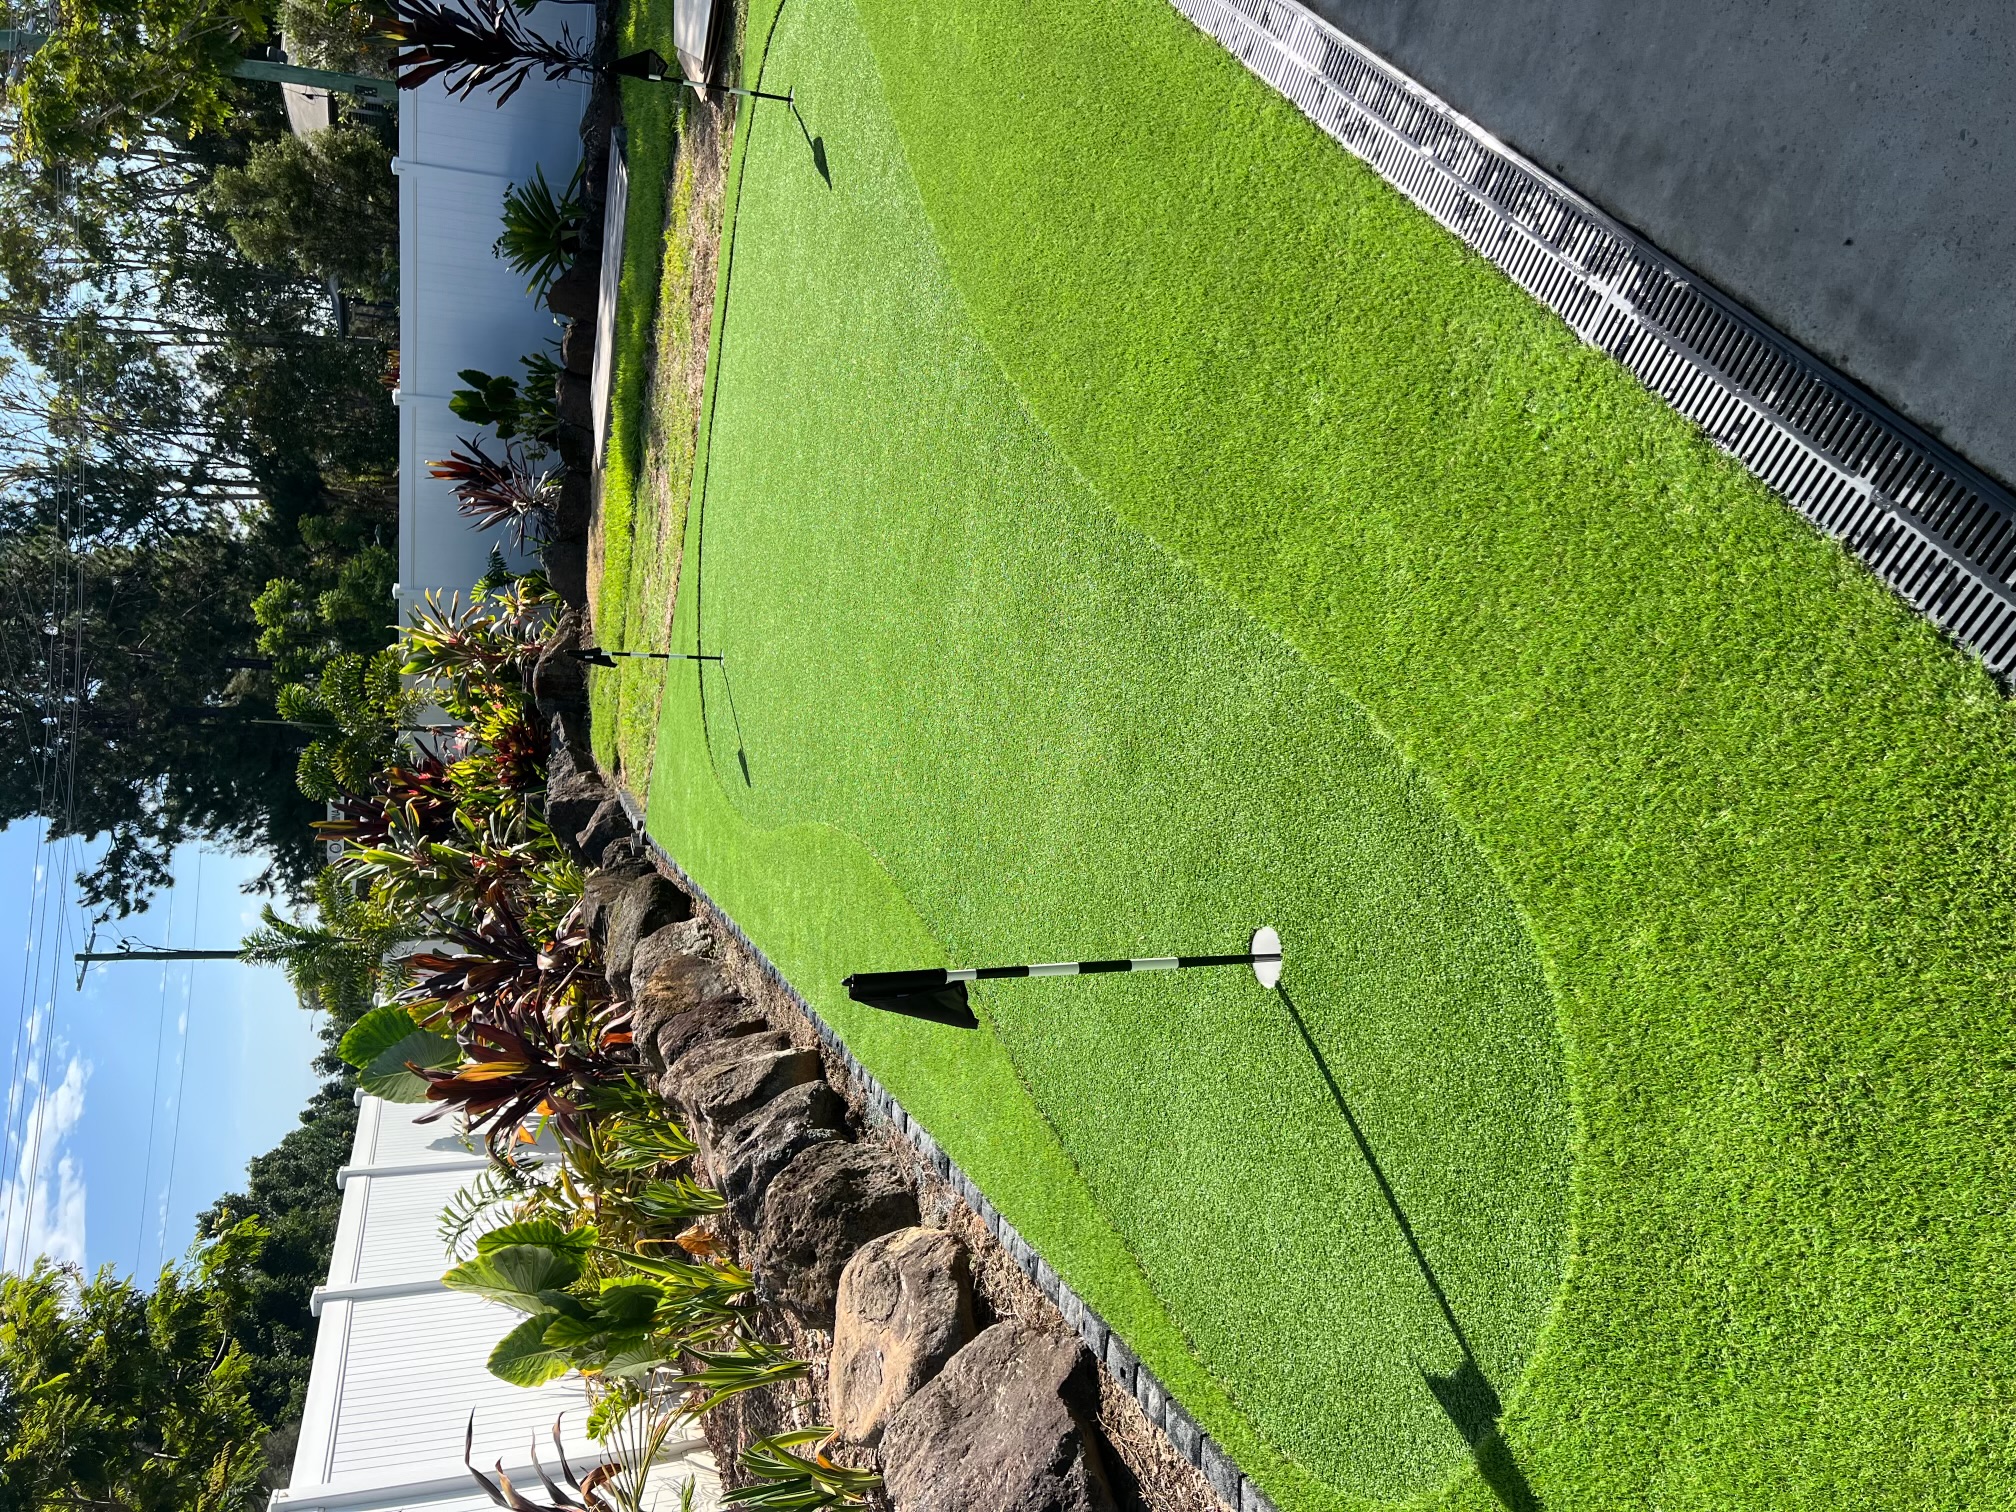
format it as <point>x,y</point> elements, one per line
<point>945,1349</point>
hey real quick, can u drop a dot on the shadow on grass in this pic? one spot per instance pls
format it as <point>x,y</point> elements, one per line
<point>1466,1396</point>
<point>741,746</point>
<point>816,143</point>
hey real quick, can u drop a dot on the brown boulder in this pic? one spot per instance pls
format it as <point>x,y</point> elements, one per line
<point>572,296</point>
<point>573,507</point>
<point>641,906</point>
<point>609,823</point>
<point>667,1036</point>
<point>674,967</point>
<point>720,1083</point>
<point>566,564</point>
<point>573,794</point>
<point>905,1307</point>
<point>824,1205</point>
<point>745,1157</point>
<point>577,348</point>
<point>1006,1427</point>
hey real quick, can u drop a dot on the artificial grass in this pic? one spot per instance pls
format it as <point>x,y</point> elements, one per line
<point>641,509</point>
<point>1554,662</point>
<point>651,118</point>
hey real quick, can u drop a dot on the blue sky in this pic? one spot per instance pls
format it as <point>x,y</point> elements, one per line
<point>153,1085</point>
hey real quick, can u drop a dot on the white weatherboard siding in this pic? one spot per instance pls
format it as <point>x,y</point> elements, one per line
<point>400,1360</point>
<point>460,306</point>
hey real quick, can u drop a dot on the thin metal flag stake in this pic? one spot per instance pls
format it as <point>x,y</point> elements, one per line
<point>596,657</point>
<point>939,993</point>
<point>650,66</point>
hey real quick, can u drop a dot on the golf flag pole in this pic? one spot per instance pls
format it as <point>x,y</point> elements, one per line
<point>650,66</point>
<point>595,657</point>
<point>938,993</point>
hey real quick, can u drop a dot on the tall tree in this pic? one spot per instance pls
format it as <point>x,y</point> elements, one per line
<point>118,1398</point>
<point>123,712</point>
<point>324,206</point>
<point>180,426</point>
<point>115,72</point>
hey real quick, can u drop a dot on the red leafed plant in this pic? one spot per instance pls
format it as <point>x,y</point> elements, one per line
<point>501,974</point>
<point>498,490</point>
<point>507,1078</point>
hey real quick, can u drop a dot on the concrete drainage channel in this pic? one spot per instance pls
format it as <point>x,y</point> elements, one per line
<point>1936,529</point>
<point>1162,1411</point>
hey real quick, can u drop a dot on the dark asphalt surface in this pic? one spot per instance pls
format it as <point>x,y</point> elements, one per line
<point>1847,169</point>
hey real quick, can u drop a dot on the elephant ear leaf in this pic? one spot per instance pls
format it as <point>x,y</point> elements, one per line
<point>516,1274</point>
<point>576,1242</point>
<point>384,1045</point>
<point>524,1358</point>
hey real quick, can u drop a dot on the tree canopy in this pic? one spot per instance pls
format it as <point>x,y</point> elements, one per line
<point>115,1397</point>
<point>115,72</point>
<point>181,430</point>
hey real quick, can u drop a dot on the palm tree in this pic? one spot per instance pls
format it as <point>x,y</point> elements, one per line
<point>336,959</point>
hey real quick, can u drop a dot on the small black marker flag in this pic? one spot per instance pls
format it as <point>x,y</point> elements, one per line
<point>938,993</point>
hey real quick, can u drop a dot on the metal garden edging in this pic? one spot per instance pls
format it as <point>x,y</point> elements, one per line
<point>1161,1409</point>
<point>1923,519</point>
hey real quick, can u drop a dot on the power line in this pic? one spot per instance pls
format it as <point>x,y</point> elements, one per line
<point>153,1098</point>
<point>181,1079</point>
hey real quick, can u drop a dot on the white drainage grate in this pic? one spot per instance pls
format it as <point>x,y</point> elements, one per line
<point>1932,526</point>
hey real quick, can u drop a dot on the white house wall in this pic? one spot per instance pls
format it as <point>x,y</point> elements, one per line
<point>460,306</point>
<point>400,1361</point>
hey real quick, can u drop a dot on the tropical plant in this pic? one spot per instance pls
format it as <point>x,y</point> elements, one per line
<point>790,1482</point>
<point>587,1493</point>
<point>529,409</point>
<point>504,972</point>
<point>507,1076</point>
<point>542,230</point>
<point>335,955</point>
<point>620,1324</point>
<point>467,652</point>
<point>511,1184</point>
<point>635,1431</point>
<point>355,706</point>
<point>490,399</point>
<point>749,1364</point>
<point>499,490</point>
<point>451,878</point>
<point>473,47</point>
<point>390,1049</point>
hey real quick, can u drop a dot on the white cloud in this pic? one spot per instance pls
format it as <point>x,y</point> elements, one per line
<point>42,1200</point>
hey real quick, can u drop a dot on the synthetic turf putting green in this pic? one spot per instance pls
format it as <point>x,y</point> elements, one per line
<point>1756,817</point>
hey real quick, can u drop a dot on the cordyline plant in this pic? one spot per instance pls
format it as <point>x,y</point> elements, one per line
<point>414,797</point>
<point>498,490</point>
<point>468,651</point>
<point>474,47</point>
<point>507,1079</point>
<point>502,973</point>
<point>584,1493</point>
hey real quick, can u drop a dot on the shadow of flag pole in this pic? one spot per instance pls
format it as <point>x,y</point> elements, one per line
<point>939,993</point>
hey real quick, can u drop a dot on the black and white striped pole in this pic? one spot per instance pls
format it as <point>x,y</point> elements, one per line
<point>939,993</point>
<point>596,657</point>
